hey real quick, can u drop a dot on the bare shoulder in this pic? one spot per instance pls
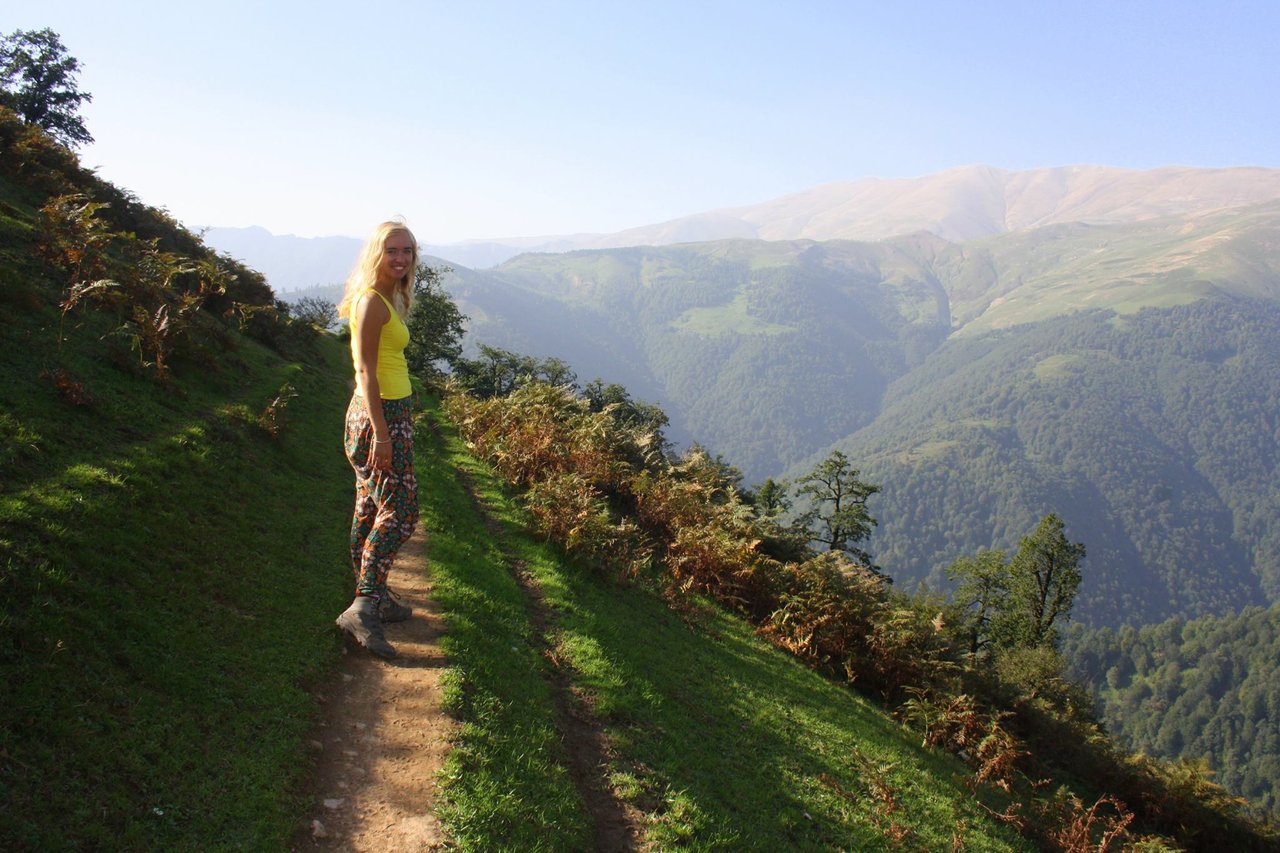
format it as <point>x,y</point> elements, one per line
<point>371,309</point>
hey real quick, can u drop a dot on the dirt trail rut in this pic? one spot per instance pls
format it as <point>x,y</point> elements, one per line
<point>382,736</point>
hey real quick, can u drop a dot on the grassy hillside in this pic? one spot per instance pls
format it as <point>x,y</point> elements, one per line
<point>173,554</point>
<point>163,603</point>
<point>713,739</point>
<point>168,568</point>
<point>1036,275</point>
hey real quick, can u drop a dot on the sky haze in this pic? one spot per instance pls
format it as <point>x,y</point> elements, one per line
<point>503,119</point>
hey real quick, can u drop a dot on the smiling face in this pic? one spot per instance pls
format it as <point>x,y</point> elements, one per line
<point>397,257</point>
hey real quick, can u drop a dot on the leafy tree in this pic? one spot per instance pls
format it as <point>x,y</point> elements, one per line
<point>838,516</point>
<point>982,593</point>
<point>317,312</point>
<point>498,372</point>
<point>435,325</point>
<point>769,500</point>
<point>555,371</point>
<point>38,82</point>
<point>629,413</point>
<point>1042,582</point>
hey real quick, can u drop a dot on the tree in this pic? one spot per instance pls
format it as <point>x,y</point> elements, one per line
<point>1017,603</point>
<point>769,500</point>
<point>1043,579</point>
<point>838,516</point>
<point>320,313</point>
<point>498,372</point>
<point>555,371</point>
<point>628,413</point>
<point>982,593</point>
<point>38,82</point>
<point>435,325</point>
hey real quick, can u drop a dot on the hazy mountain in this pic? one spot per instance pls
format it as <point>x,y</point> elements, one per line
<point>958,205</point>
<point>293,263</point>
<point>1125,376</point>
<point>978,201</point>
<point>288,262</point>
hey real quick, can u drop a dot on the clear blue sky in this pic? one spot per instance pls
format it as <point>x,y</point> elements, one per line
<point>499,119</point>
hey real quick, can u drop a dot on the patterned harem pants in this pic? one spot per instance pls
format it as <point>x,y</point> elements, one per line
<point>386,501</point>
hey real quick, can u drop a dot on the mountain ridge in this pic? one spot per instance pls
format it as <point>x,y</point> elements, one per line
<point>961,204</point>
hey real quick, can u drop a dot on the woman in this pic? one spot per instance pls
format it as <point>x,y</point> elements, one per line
<point>379,432</point>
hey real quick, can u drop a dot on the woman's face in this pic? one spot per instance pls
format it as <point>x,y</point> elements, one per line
<point>397,257</point>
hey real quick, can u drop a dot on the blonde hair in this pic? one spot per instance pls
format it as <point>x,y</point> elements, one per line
<point>364,275</point>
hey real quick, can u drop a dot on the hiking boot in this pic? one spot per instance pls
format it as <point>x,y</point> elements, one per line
<point>361,621</point>
<point>391,609</point>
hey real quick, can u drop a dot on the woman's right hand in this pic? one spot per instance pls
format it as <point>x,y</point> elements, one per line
<point>380,455</point>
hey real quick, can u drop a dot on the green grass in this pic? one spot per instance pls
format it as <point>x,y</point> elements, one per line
<point>719,740</point>
<point>168,573</point>
<point>505,781</point>
<point>730,318</point>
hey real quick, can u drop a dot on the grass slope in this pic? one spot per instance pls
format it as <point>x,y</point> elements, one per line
<point>716,739</point>
<point>168,572</point>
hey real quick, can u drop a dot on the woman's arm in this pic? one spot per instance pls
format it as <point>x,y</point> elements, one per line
<point>371,316</point>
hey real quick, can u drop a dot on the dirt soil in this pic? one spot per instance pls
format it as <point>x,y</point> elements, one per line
<point>382,736</point>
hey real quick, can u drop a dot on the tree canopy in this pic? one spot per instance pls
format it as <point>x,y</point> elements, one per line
<point>838,515</point>
<point>1019,603</point>
<point>435,325</point>
<point>38,82</point>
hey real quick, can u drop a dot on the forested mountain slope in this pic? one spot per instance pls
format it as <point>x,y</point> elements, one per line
<point>1122,375</point>
<point>1206,689</point>
<point>1154,437</point>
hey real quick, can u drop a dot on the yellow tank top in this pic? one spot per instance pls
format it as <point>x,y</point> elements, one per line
<point>393,370</point>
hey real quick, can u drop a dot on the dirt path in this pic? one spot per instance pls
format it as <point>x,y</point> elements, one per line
<point>382,737</point>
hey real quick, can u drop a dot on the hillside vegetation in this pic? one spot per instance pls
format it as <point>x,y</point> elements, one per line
<point>1123,376</point>
<point>1207,689</point>
<point>172,528</point>
<point>164,604</point>
<point>173,518</point>
<point>1094,371</point>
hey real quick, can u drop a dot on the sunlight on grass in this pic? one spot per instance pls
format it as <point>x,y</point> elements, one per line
<point>717,738</point>
<point>167,588</point>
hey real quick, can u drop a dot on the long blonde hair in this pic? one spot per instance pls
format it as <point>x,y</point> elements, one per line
<point>364,275</point>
